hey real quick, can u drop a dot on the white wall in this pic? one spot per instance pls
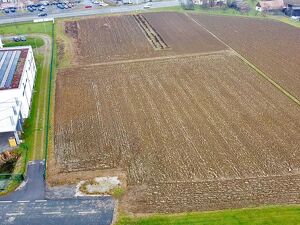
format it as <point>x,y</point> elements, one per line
<point>10,107</point>
<point>18,100</point>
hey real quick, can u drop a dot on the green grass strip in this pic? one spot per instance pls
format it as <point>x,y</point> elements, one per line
<point>275,215</point>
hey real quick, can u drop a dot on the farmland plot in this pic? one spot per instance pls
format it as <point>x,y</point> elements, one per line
<point>108,38</point>
<point>272,46</point>
<point>115,38</point>
<point>182,34</point>
<point>180,129</point>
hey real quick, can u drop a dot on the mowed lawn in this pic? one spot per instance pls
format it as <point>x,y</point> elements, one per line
<point>275,215</point>
<point>26,28</point>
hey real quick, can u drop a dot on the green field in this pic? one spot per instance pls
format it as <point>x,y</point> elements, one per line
<point>276,215</point>
<point>26,28</point>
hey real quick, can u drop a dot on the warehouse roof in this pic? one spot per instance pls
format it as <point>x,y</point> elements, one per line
<point>12,61</point>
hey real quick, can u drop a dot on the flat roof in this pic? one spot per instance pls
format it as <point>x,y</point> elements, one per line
<point>12,61</point>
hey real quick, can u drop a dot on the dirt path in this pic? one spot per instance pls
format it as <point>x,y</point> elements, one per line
<point>153,58</point>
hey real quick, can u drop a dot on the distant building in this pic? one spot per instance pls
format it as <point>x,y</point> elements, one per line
<point>210,3</point>
<point>19,4</point>
<point>268,6</point>
<point>17,76</point>
<point>292,8</point>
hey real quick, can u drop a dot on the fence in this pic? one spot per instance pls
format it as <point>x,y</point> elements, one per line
<point>49,100</point>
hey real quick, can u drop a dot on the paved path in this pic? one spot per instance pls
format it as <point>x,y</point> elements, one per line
<point>27,205</point>
<point>86,12</point>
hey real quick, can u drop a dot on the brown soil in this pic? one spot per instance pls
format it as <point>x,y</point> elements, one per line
<point>189,132</point>
<point>160,123</point>
<point>181,34</point>
<point>272,46</point>
<point>114,38</point>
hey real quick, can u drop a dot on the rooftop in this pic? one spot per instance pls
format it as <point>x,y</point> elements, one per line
<point>12,61</point>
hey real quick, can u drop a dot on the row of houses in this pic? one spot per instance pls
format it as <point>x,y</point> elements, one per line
<point>289,7</point>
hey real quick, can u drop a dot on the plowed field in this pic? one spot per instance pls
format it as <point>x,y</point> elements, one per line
<point>189,128</point>
<point>114,38</point>
<point>181,34</point>
<point>161,123</point>
<point>272,46</point>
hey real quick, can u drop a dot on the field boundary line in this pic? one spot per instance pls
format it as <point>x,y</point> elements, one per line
<point>259,72</point>
<point>151,59</point>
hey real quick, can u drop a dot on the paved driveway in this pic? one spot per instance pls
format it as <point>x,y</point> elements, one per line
<point>33,187</point>
<point>28,205</point>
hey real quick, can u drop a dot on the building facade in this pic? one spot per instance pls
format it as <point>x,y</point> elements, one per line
<point>17,76</point>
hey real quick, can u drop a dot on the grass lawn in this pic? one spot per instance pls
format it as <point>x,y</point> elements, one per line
<point>26,28</point>
<point>34,42</point>
<point>29,125</point>
<point>275,215</point>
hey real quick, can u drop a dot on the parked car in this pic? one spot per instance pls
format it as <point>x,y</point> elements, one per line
<point>60,6</point>
<point>147,5</point>
<point>13,10</point>
<point>22,38</point>
<point>30,9</point>
<point>88,6</point>
<point>45,3</point>
<point>6,10</point>
<point>41,8</point>
<point>16,39</point>
<point>42,14</point>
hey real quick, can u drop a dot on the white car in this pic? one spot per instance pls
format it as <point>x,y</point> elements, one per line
<point>147,5</point>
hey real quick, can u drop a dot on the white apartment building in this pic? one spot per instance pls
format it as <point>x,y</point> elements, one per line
<point>17,76</point>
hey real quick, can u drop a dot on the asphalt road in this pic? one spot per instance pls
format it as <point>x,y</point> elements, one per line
<point>85,12</point>
<point>57,212</point>
<point>33,187</point>
<point>28,205</point>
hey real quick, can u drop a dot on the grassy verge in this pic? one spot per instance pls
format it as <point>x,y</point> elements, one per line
<point>34,42</point>
<point>64,46</point>
<point>26,28</point>
<point>29,125</point>
<point>50,158</point>
<point>275,215</point>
